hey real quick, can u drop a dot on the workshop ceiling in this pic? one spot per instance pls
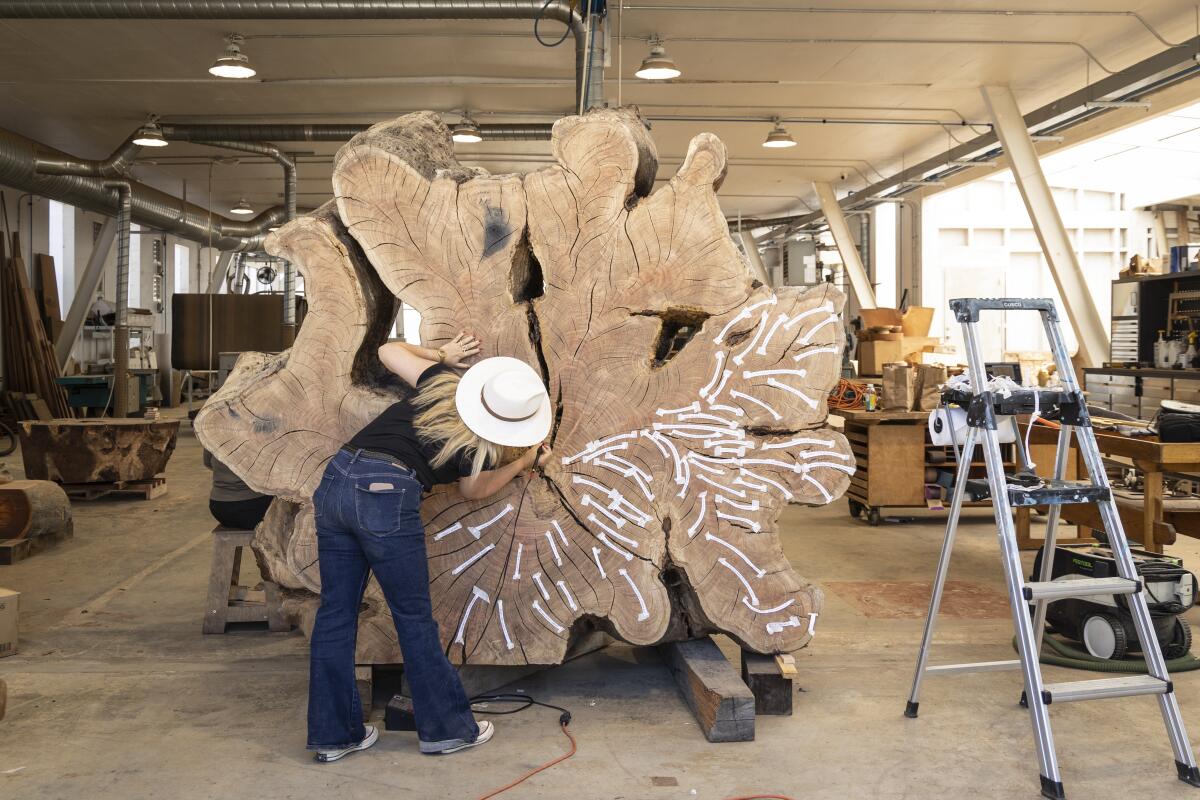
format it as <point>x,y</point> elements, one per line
<point>84,85</point>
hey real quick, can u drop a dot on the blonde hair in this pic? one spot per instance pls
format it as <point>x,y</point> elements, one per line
<point>437,420</point>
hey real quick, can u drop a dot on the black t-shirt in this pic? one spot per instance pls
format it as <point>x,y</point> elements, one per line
<point>392,432</point>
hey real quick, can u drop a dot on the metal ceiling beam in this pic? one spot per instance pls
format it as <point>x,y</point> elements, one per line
<point>1047,223</point>
<point>1163,69</point>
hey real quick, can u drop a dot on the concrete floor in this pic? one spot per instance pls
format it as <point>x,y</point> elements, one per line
<point>116,694</point>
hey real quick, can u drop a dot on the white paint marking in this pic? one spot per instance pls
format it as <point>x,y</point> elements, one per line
<point>588,501</point>
<point>629,510</point>
<point>777,627</point>
<point>818,453</point>
<point>811,403</point>
<point>645,488</point>
<point>756,401</point>
<point>551,621</point>
<point>749,589</point>
<point>442,534</point>
<point>824,492</point>
<point>758,572</point>
<point>654,437</point>
<point>562,587</point>
<point>806,338</point>
<point>589,482</point>
<point>813,352</point>
<point>508,642</point>
<point>554,548</point>
<point>699,519</point>
<point>762,348</point>
<point>737,412</point>
<point>706,467</point>
<point>728,423</point>
<point>636,470</point>
<point>800,373</point>
<point>740,481</point>
<point>704,390</point>
<point>722,487</point>
<point>693,408</point>
<point>561,535</point>
<point>758,332</point>
<point>739,446</point>
<point>805,314</point>
<point>599,566</point>
<point>741,315</point>
<point>812,623</point>
<point>622,553</point>
<point>477,530</point>
<point>799,441</point>
<point>747,523</point>
<point>725,376</point>
<point>537,578</point>
<point>645,612</point>
<point>476,595</point>
<point>751,506</point>
<point>596,521</point>
<point>517,570</point>
<point>786,492</point>
<point>758,610</point>
<point>458,570</point>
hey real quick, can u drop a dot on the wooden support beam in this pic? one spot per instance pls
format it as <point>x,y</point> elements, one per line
<point>85,293</point>
<point>1072,284</point>
<point>770,679</point>
<point>722,703</point>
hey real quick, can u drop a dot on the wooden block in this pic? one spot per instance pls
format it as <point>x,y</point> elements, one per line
<point>771,686</point>
<point>722,703</point>
<point>787,664</point>
<point>14,550</point>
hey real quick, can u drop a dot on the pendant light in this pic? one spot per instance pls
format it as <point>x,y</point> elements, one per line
<point>779,137</point>
<point>466,131</point>
<point>658,66</point>
<point>150,135</point>
<point>242,209</point>
<point>234,63</point>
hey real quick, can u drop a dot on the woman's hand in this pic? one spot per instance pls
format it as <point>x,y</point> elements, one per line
<point>537,456</point>
<point>459,349</point>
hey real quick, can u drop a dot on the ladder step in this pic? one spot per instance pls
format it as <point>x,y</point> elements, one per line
<point>1050,493</point>
<point>1126,686</point>
<point>1081,587</point>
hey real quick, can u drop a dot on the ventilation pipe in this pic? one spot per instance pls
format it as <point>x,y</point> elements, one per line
<point>513,132</point>
<point>115,166</point>
<point>121,329</point>
<point>332,10</point>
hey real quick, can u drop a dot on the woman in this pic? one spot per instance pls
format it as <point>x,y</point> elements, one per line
<point>368,519</point>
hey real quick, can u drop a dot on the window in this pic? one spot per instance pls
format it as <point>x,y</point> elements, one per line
<point>183,269</point>
<point>135,267</point>
<point>61,232</point>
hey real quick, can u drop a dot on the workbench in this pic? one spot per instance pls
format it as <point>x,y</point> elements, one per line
<point>1165,519</point>
<point>897,443</point>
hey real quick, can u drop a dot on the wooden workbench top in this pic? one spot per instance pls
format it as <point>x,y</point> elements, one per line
<point>875,417</point>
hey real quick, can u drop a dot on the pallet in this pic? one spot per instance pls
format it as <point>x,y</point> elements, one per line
<point>145,490</point>
<point>14,550</point>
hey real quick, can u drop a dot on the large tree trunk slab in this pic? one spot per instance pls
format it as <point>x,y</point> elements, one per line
<point>689,398</point>
<point>96,450</point>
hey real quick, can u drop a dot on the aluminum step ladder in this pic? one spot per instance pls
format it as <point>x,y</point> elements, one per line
<point>983,407</point>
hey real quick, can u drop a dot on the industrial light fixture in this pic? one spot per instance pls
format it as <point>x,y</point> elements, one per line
<point>234,63</point>
<point>1095,104</point>
<point>150,135</point>
<point>242,209</point>
<point>466,131</point>
<point>658,66</point>
<point>779,137</point>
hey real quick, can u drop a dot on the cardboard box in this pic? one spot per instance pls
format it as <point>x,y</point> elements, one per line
<point>874,354</point>
<point>9,601</point>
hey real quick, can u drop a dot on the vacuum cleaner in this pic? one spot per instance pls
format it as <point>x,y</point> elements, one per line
<point>1103,623</point>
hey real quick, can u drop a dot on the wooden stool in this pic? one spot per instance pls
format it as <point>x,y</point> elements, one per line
<point>229,601</point>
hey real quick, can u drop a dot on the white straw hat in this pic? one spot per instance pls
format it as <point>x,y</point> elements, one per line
<point>504,401</point>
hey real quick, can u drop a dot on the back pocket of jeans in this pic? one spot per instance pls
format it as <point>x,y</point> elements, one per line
<point>378,504</point>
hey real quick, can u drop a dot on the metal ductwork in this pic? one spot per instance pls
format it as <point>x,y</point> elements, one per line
<point>115,166</point>
<point>121,329</point>
<point>19,157</point>
<point>587,91</point>
<point>535,131</point>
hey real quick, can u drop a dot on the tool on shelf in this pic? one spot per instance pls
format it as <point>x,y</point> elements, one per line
<point>1024,488</point>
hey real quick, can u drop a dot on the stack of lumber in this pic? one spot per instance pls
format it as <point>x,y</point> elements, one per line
<point>47,296</point>
<point>30,365</point>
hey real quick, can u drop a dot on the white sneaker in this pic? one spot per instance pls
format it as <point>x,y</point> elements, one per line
<point>327,756</point>
<point>486,730</point>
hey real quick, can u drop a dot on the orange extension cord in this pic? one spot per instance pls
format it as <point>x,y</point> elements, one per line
<point>845,396</point>
<point>574,749</point>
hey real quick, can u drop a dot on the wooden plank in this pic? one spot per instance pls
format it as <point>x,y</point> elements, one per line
<point>14,550</point>
<point>722,703</point>
<point>772,687</point>
<point>901,450</point>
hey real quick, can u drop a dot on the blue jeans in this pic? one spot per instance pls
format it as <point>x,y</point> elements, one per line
<point>368,520</point>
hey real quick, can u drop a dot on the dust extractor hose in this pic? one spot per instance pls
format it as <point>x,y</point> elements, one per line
<point>1064,655</point>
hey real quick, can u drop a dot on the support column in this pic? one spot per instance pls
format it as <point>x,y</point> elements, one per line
<point>859,282</point>
<point>754,257</point>
<point>121,330</point>
<point>1060,255</point>
<point>85,292</point>
<point>217,276</point>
